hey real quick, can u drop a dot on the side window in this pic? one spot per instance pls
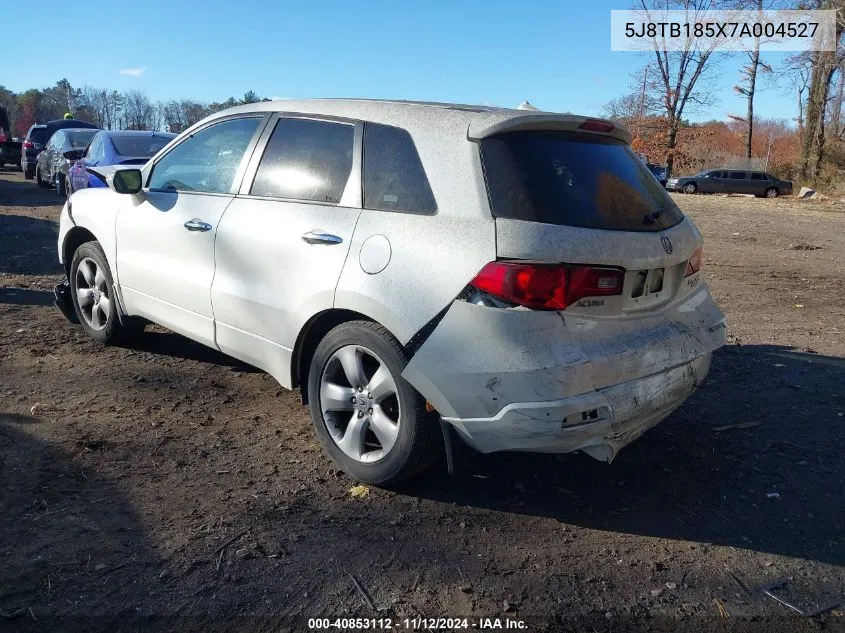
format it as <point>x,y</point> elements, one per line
<point>394,178</point>
<point>208,160</point>
<point>737,175</point>
<point>306,160</point>
<point>758,177</point>
<point>93,152</point>
<point>57,140</point>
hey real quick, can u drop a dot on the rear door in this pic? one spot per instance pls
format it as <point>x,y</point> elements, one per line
<point>283,241</point>
<point>737,182</point>
<point>165,244</point>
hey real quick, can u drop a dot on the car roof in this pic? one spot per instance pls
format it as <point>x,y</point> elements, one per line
<point>131,133</point>
<point>477,121</point>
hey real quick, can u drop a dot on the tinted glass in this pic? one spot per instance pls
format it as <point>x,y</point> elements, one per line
<point>38,135</point>
<point>306,160</point>
<point>757,177</point>
<point>93,150</point>
<point>78,139</point>
<point>574,179</point>
<point>207,161</point>
<point>737,175</point>
<point>394,178</point>
<point>138,145</point>
<point>56,140</point>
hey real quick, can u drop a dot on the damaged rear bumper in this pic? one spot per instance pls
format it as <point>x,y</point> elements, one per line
<point>559,382</point>
<point>600,423</point>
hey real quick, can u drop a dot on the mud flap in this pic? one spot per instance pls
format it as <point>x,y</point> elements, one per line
<point>63,301</point>
<point>458,454</point>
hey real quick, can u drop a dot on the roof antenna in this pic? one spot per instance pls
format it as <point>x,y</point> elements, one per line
<point>527,106</point>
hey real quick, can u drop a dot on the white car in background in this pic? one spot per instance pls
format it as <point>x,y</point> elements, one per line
<point>518,277</point>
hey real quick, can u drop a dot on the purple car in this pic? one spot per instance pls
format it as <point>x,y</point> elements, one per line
<point>113,147</point>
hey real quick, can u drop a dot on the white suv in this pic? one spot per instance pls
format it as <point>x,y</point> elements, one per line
<point>518,277</point>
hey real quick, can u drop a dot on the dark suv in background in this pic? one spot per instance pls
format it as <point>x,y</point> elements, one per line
<point>32,146</point>
<point>757,183</point>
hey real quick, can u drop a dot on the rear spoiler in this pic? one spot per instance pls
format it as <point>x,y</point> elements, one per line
<point>497,123</point>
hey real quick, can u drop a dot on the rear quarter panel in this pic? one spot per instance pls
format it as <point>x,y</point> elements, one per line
<point>431,257</point>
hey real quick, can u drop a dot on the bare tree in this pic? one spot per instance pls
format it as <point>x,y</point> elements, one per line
<point>138,111</point>
<point>678,73</point>
<point>824,65</point>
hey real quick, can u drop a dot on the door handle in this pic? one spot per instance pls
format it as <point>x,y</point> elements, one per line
<point>197,225</point>
<point>319,237</point>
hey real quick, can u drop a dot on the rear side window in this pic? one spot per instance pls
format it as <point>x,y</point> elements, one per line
<point>737,175</point>
<point>574,179</point>
<point>394,178</point>
<point>38,135</point>
<point>306,160</point>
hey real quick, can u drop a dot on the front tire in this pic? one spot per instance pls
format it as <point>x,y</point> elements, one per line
<point>39,180</point>
<point>690,187</point>
<point>61,186</point>
<point>94,298</point>
<point>369,420</point>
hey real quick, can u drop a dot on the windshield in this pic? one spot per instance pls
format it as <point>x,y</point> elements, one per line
<point>140,145</point>
<point>79,139</point>
<point>574,179</point>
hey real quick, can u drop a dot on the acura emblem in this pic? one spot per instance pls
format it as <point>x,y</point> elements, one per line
<point>667,245</point>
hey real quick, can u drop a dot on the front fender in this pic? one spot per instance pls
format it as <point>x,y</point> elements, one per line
<point>94,210</point>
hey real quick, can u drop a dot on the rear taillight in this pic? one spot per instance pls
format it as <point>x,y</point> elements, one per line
<point>597,125</point>
<point>547,286</point>
<point>694,263</point>
<point>28,145</point>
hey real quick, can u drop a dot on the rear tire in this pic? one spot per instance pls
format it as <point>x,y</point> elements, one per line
<point>61,186</point>
<point>771,192</point>
<point>352,435</point>
<point>690,187</point>
<point>94,298</point>
<point>28,174</point>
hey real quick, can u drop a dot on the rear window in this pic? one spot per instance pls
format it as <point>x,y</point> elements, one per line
<point>574,179</point>
<point>394,178</point>
<point>80,139</point>
<point>139,145</point>
<point>38,135</point>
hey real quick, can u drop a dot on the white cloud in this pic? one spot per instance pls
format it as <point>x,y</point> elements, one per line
<point>133,72</point>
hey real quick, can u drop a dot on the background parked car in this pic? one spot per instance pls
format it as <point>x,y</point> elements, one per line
<point>62,150</point>
<point>659,172</point>
<point>757,183</point>
<point>32,145</point>
<point>122,147</point>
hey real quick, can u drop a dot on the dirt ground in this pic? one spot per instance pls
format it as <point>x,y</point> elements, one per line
<point>168,487</point>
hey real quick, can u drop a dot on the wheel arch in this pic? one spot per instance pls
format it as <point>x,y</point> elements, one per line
<point>75,238</point>
<point>314,330</point>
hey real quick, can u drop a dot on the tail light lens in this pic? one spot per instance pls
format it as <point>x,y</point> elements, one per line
<point>28,145</point>
<point>547,286</point>
<point>694,263</point>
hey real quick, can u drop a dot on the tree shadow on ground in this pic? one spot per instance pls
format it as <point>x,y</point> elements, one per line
<point>773,487</point>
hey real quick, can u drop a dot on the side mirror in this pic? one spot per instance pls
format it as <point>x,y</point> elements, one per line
<point>127,181</point>
<point>74,154</point>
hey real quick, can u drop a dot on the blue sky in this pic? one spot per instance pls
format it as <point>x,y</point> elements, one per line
<point>555,54</point>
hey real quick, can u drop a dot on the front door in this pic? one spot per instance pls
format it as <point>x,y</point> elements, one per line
<point>165,243</point>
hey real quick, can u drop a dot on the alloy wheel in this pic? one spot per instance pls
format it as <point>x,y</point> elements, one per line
<point>359,403</point>
<point>92,294</point>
